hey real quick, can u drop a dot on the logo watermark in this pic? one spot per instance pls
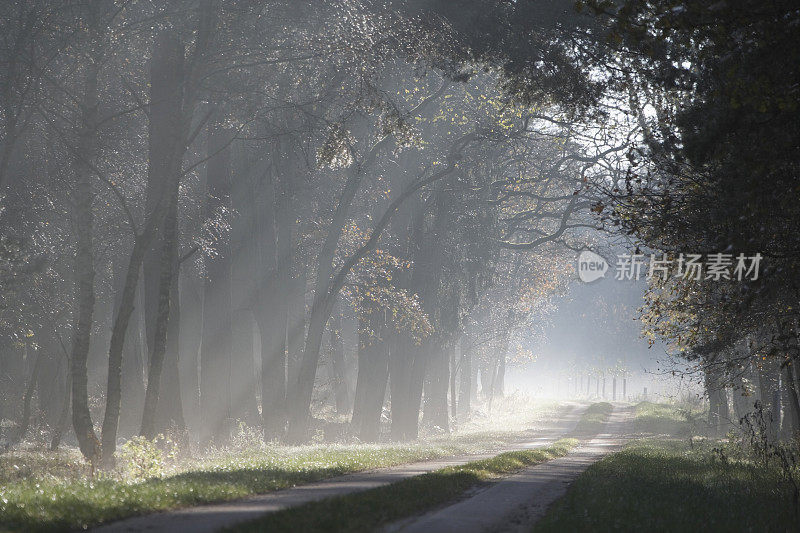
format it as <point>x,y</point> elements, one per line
<point>591,266</point>
<point>715,267</point>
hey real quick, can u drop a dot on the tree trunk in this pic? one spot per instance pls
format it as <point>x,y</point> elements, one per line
<point>296,324</point>
<point>133,357</point>
<point>321,308</point>
<point>167,134</point>
<point>245,273</point>
<point>169,408</point>
<point>741,404</point>
<point>118,331</point>
<point>454,367</point>
<point>373,373</point>
<point>793,407</point>
<point>191,334</point>
<point>499,388</point>
<point>28,397</point>
<point>434,411</point>
<point>719,413</point>
<point>713,402</point>
<point>165,294</point>
<point>465,386</point>
<point>277,260</point>
<point>407,368</point>
<point>63,423</point>
<point>49,390</point>
<point>215,354</point>
<point>340,390</point>
<point>84,299</point>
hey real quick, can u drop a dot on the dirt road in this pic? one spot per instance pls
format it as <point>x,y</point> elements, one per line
<point>516,502</point>
<point>209,518</point>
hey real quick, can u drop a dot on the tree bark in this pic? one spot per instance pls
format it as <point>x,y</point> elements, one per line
<point>373,373</point>
<point>245,278</point>
<point>28,397</point>
<point>279,334</point>
<point>216,391</point>
<point>465,385</point>
<point>408,365</point>
<point>167,140</point>
<point>273,316</point>
<point>133,357</point>
<point>63,422</point>
<point>169,407</point>
<point>340,391</point>
<point>191,334</point>
<point>793,407</point>
<point>117,345</point>
<point>84,298</point>
<point>434,411</point>
<point>165,293</point>
<point>454,367</point>
<point>321,307</point>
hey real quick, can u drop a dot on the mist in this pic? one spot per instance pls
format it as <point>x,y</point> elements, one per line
<point>251,245</point>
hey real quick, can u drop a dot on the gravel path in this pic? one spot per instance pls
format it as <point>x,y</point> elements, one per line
<point>208,518</point>
<point>516,502</point>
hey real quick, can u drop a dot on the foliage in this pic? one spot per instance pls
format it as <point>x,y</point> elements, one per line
<point>714,167</point>
<point>144,458</point>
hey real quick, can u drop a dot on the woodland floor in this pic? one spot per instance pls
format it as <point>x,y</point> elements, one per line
<point>216,517</point>
<point>630,467</point>
<point>51,491</point>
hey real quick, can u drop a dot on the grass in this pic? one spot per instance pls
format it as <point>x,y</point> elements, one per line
<point>594,419</point>
<point>47,503</point>
<point>47,491</point>
<point>669,485</point>
<point>371,509</point>
<point>665,419</point>
<point>20,465</point>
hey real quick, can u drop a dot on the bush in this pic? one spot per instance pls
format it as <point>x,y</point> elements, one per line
<point>144,459</point>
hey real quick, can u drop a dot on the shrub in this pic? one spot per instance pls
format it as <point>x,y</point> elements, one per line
<point>146,459</point>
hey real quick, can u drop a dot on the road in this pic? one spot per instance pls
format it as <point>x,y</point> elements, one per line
<point>516,502</point>
<point>209,518</point>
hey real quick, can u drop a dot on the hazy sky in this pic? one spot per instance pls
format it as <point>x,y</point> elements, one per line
<point>593,325</point>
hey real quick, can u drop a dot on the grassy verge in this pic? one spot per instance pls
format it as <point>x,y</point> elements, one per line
<point>368,510</point>
<point>663,485</point>
<point>665,419</point>
<point>45,491</point>
<point>594,418</point>
<point>52,504</point>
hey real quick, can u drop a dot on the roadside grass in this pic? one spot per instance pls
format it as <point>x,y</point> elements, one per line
<point>666,419</point>
<point>47,503</point>
<point>19,465</point>
<point>50,491</point>
<point>670,485</point>
<point>371,509</point>
<point>594,418</point>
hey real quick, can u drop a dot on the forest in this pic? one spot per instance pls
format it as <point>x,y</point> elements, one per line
<point>275,233</point>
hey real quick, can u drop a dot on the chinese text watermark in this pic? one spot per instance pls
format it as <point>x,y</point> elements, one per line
<point>715,266</point>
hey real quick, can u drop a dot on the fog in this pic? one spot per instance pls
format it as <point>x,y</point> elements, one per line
<point>592,330</point>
